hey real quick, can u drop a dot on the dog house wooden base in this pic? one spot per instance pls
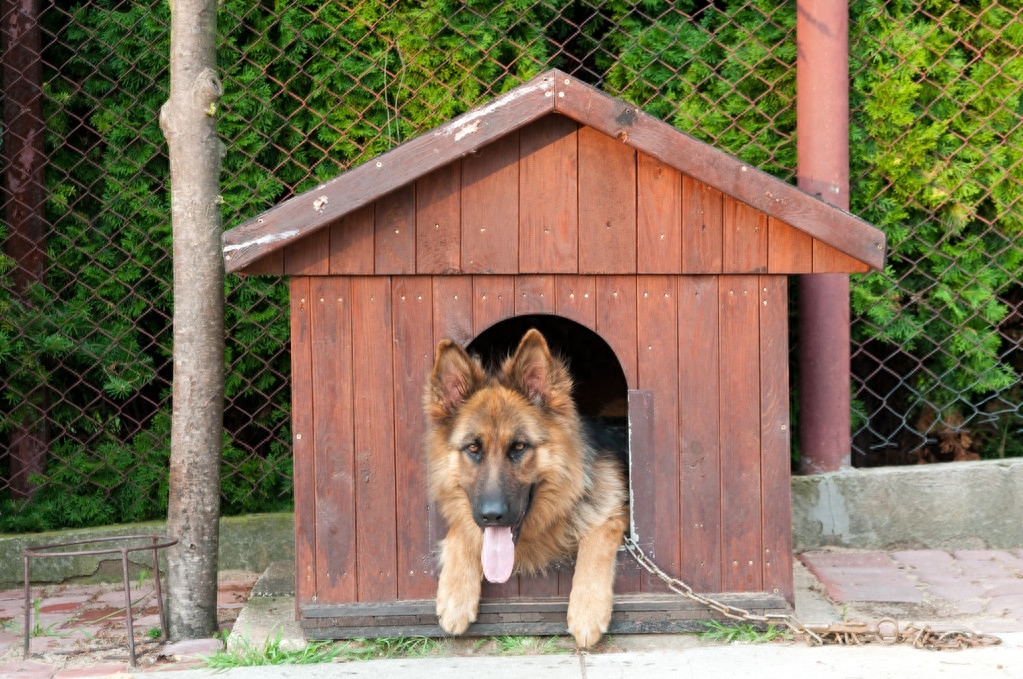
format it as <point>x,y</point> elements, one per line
<point>633,614</point>
<point>553,199</point>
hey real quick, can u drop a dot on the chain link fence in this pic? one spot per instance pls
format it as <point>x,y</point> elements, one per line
<point>314,87</point>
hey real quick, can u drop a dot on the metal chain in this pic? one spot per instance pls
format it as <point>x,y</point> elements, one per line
<point>885,631</point>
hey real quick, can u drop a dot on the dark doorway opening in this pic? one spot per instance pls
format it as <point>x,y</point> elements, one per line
<point>600,388</point>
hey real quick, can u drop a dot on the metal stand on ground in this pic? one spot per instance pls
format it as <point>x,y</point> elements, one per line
<point>156,542</point>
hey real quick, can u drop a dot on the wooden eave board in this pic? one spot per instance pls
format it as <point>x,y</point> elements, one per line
<point>554,197</point>
<point>551,92</point>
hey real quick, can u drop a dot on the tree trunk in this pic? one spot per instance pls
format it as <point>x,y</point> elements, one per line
<point>188,120</point>
<point>24,162</point>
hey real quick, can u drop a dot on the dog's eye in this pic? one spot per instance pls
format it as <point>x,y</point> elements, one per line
<point>517,450</point>
<point>473,451</point>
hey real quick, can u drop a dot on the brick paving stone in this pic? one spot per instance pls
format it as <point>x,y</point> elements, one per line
<point>967,607</point>
<point>191,648</point>
<point>45,644</point>
<point>955,589</point>
<point>862,576</point>
<point>983,570</point>
<point>172,667</point>
<point>147,621</point>
<point>78,614</point>
<point>93,671</point>
<point>67,590</point>
<point>237,585</point>
<point>996,555</point>
<point>1003,586</point>
<point>889,592</point>
<point>86,630</point>
<point>102,614</point>
<point>12,609</point>
<point>231,607</point>
<point>1013,561</point>
<point>847,559</point>
<point>113,598</point>
<point>9,639</point>
<point>989,563</point>
<point>63,604</point>
<point>47,621</point>
<point>26,670</point>
<point>1011,606</point>
<point>925,561</point>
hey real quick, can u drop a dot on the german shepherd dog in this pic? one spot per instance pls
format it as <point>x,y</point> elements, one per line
<point>523,482</point>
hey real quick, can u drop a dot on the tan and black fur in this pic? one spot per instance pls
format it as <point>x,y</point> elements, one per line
<point>509,446</point>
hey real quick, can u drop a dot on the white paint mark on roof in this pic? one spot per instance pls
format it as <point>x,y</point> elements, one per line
<point>263,240</point>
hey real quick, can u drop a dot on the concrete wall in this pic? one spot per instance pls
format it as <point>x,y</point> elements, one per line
<point>249,543</point>
<point>960,505</point>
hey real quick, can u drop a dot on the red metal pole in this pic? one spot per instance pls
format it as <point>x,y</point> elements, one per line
<point>23,206</point>
<point>822,124</point>
<point>24,156</point>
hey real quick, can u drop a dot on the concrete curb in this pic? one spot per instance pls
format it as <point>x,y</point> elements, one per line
<point>248,543</point>
<point>956,505</point>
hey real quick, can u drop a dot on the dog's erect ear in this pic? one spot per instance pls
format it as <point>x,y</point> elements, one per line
<point>454,377</point>
<point>539,375</point>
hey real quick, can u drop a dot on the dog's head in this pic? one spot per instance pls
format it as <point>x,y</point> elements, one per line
<point>492,436</point>
<point>498,423</point>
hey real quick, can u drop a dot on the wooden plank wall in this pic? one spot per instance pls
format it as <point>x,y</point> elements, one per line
<point>707,354</point>
<point>551,198</point>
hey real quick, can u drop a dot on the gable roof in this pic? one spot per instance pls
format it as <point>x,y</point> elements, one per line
<point>550,92</point>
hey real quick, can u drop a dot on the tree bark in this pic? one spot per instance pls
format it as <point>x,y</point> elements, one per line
<point>188,120</point>
<point>24,162</point>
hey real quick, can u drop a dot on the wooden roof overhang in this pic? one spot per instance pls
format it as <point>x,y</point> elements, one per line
<point>553,92</point>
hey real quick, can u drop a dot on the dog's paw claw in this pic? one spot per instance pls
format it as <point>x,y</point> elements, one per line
<point>455,619</point>
<point>455,624</point>
<point>588,626</point>
<point>587,634</point>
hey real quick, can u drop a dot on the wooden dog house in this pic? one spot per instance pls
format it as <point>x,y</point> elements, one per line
<point>552,199</point>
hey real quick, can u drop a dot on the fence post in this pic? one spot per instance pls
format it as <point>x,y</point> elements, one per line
<point>822,122</point>
<point>24,206</point>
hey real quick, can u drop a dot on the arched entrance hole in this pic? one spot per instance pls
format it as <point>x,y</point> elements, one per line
<point>600,388</point>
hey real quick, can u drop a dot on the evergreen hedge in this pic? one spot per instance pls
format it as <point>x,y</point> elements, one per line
<point>314,87</point>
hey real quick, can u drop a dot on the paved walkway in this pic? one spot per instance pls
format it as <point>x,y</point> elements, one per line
<point>79,629</point>
<point>982,589</point>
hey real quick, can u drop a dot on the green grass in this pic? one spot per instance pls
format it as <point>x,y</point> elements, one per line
<point>527,645</point>
<point>47,631</point>
<point>390,647</point>
<point>741,633</point>
<point>244,654</point>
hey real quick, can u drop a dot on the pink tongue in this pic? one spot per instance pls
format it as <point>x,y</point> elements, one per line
<point>498,553</point>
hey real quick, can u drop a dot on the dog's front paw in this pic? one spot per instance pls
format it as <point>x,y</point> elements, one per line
<point>588,618</point>
<point>455,618</point>
<point>456,607</point>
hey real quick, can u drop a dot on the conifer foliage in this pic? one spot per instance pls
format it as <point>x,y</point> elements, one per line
<point>313,87</point>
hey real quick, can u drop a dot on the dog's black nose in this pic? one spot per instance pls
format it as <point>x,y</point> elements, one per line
<point>492,511</point>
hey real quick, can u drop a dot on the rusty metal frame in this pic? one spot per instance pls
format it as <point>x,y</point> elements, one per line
<point>41,551</point>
